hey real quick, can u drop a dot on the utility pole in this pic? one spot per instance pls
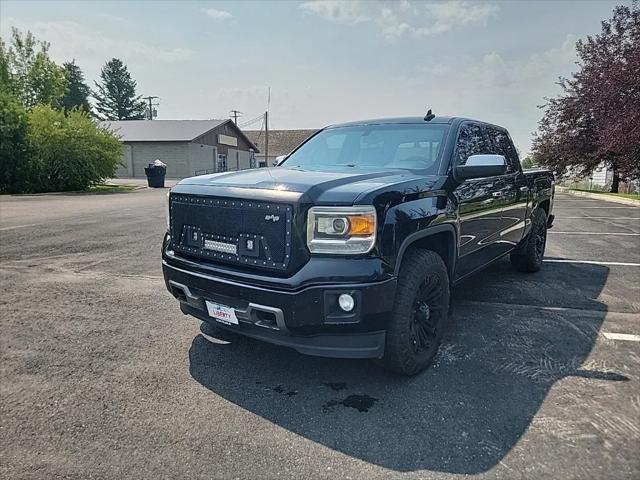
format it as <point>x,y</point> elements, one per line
<point>266,130</point>
<point>235,114</point>
<point>150,99</point>
<point>266,138</point>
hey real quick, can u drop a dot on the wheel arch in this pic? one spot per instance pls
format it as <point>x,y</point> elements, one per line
<point>544,205</point>
<point>441,239</point>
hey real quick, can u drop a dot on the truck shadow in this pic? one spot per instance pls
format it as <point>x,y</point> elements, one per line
<point>495,368</point>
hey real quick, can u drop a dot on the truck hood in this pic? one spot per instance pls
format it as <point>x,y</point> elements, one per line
<point>342,186</point>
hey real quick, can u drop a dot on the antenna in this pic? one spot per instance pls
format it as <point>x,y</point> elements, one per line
<point>429,116</point>
<point>269,99</point>
<point>266,128</point>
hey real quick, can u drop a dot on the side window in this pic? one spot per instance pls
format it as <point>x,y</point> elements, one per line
<point>502,146</point>
<point>471,141</point>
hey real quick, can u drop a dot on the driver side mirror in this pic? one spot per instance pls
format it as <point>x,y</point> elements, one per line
<point>279,159</point>
<point>480,166</point>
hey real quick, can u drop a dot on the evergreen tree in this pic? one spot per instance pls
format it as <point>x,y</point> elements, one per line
<point>116,97</point>
<point>77,94</point>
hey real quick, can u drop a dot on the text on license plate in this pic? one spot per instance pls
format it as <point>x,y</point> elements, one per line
<point>222,313</point>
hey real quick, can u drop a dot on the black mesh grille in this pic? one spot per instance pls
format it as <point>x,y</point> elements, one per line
<point>231,230</point>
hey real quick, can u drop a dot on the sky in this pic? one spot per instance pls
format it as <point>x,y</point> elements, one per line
<point>325,61</point>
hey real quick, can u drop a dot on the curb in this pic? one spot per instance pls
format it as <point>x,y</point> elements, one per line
<point>74,192</point>
<point>133,189</point>
<point>599,196</point>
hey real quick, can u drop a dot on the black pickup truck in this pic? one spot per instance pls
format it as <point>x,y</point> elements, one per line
<point>349,247</point>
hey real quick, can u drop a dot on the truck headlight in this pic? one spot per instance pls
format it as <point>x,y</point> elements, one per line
<point>341,230</point>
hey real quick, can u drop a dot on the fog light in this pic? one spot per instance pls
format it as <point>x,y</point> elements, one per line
<point>346,302</point>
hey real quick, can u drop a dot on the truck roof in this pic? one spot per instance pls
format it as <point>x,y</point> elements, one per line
<point>379,121</point>
<point>442,120</point>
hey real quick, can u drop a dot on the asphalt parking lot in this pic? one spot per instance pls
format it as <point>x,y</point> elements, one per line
<point>103,377</point>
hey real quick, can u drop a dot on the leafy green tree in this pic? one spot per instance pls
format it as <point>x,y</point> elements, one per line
<point>77,93</point>
<point>34,77</point>
<point>594,121</point>
<point>528,162</point>
<point>15,162</point>
<point>116,97</point>
<point>70,152</point>
<point>5,75</point>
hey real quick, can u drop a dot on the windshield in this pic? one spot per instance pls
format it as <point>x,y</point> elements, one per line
<point>391,146</point>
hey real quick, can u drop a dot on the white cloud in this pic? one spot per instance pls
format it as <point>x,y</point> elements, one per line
<point>495,73</point>
<point>496,88</point>
<point>396,18</point>
<point>71,40</point>
<point>113,18</point>
<point>217,14</point>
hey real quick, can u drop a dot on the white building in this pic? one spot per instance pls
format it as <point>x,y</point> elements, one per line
<point>188,147</point>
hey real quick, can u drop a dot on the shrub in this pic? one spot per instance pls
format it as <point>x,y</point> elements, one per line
<point>69,152</point>
<point>15,166</point>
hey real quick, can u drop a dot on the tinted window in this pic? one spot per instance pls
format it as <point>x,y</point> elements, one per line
<point>501,145</point>
<point>410,146</point>
<point>471,141</point>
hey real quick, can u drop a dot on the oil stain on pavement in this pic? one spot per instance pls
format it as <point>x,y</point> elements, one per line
<point>362,403</point>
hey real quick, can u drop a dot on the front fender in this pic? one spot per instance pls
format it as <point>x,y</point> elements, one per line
<point>414,221</point>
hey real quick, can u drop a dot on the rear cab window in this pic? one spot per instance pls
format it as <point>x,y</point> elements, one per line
<point>501,145</point>
<point>472,140</point>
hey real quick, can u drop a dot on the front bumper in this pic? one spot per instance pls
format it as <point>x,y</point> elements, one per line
<point>306,319</point>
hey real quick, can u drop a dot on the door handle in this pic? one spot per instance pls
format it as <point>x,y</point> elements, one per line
<point>496,194</point>
<point>524,189</point>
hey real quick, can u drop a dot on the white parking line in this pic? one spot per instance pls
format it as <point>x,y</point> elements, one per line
<point>600,218</point>
<point>586,200</point>
<point>581,207</point>
<point>3,229</point>
<point>596,233</point>
<point>629,337</point>
<point>591,262</point>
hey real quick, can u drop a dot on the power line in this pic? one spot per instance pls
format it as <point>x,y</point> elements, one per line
<point>261,130</point>
<point>253,120</point>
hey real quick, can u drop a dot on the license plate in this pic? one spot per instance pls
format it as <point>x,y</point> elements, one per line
<point>222,313</point>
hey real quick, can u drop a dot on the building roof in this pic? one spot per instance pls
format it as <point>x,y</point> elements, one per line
<point>281,142</point>
<point>161,130</point>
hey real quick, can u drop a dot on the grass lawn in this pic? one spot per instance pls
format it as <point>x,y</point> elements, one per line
<point>106,188</point>
<point>633,196</point>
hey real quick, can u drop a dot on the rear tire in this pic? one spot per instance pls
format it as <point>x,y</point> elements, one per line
<point>528,257</point>
<point>421,308</point>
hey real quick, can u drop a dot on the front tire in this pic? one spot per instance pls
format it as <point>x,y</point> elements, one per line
<point>528,257</point>
<point>420,312</point>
